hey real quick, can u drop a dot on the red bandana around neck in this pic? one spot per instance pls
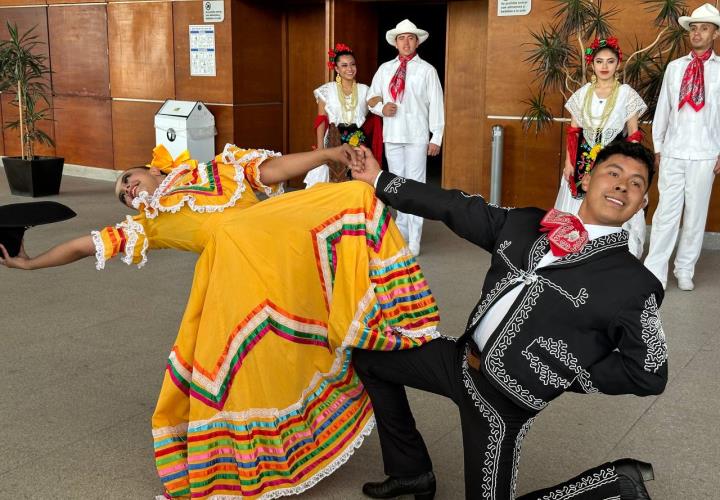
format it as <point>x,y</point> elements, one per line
<point>692,88</point>
<point>397,83</point>
<point>566,232</point>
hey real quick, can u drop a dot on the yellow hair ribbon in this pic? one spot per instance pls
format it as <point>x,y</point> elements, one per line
<point>163,161</point>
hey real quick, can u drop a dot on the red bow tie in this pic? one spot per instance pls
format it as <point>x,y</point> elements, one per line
<point>566,233</point>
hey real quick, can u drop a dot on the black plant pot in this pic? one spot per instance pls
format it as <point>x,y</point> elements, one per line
<point>40,176</point>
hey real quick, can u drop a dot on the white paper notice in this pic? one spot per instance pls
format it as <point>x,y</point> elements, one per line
<point>202,50</point>
<point>213,11</point>
<point>514,7</point>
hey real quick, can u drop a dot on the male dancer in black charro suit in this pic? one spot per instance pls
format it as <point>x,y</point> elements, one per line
<point>585,321</point>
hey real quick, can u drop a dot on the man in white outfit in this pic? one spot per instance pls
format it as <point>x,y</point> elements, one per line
<point>686,135</point>
<point>407,93</point>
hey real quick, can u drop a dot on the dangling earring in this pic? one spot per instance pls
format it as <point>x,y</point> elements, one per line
<point>338,79</point>
<point>617,77</point>
<point>593,79</point>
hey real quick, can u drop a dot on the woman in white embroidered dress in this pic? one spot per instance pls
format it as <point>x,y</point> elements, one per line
<point>342,109</point>
<point>259,398</point>
<point>600,111</point>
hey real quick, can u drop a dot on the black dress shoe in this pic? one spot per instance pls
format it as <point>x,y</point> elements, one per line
<point>422,486</point>
<point>632,475</point>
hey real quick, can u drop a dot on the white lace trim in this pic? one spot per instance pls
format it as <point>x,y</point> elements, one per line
<point>99,250</point>
<point>151,203</point>
<point>229,157</point>
<point>133,230</point>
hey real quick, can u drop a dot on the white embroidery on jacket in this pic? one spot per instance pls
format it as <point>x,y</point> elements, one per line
<point>653,336</point>
<point>394,184</point>
<point>546,374</point>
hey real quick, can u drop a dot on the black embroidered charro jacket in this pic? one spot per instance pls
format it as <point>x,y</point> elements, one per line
<point>587,322</point>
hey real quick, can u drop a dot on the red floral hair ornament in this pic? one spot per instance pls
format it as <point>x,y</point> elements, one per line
<point>332,53</point>
<point>602,43</point>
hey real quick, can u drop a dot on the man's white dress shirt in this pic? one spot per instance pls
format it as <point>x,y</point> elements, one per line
<point>421,110</point>
<point>494,316</point>
<point>685,133</point>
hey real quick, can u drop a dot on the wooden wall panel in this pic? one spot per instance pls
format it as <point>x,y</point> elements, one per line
<point>133,125</point>
<point>11,137</point>
<point>84,130</point>
<point>206,88</point>
<point>67,2</point>
<point>79,50</point>
<point>2,140</point>
<point>27,18</point>
<point>257,66</point>
<point>224,123</point>
<point>140,38</point>
<point>356,24</point>
<point>464,141</point>
<point>306,71</point>
<point>10,3</point>
<point>257,126</point>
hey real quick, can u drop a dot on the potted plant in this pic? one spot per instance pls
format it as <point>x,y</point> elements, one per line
<point>24,72</point>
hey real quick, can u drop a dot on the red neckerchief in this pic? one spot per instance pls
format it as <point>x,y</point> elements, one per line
<point>566,233</point>
<point>692,89</point>
<point>397,83</point>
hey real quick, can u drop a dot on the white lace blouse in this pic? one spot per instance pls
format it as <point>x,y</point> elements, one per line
<point>628,103</point>
<point>328,95</point>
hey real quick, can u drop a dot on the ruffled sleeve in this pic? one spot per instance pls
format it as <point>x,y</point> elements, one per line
<point>575,103</point>
<point>322,93</point>
<point>250,161</point>
<point>127,239</point>
<point>634,104</point>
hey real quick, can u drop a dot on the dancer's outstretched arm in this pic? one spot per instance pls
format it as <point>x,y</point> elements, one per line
<point>282,168</point>
<point>59,255</point>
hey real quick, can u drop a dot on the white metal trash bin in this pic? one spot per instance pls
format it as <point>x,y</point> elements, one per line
<point>181,125</point>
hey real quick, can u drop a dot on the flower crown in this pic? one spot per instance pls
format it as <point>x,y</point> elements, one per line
<point>602,43</point>
<point>332,53</point>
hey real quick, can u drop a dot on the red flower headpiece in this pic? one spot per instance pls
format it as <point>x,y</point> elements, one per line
<point>332,53</point>
<point>602,43</point>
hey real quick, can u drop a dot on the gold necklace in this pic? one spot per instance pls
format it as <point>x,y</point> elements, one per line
<point>606,112</point>
<point>347,106</point>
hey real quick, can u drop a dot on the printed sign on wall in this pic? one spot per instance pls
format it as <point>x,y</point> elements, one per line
<point>202,50</point>
<point>514,7</point>
<point>213,11</point>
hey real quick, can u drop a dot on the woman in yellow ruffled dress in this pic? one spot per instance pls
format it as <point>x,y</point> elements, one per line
<point>259,399</point>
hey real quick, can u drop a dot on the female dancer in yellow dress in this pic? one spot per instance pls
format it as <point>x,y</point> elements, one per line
<point>259,399</point>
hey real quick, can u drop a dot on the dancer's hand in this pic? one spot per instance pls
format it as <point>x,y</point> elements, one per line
<point>568,171</point>
<point>20,261</point>
<point>433,149</point>
<point>369,169</point>
<point>346,155</point>
<point>390,109</point>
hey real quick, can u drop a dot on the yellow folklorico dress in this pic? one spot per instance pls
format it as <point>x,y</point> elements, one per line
<point>259,398</point>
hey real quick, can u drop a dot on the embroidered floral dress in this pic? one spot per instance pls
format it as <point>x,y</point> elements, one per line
<point>259,398</point>
<point>628,104</point>
<point>328,95</point>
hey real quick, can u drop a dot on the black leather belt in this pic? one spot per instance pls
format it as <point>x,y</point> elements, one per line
<point>473,355</point>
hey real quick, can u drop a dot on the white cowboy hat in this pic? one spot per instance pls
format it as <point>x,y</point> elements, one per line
<point>706,13</point>
<point>406,26</point>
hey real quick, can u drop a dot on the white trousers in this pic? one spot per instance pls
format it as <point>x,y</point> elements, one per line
<point>681,182</point>
<point>409,161</point>
<point>635,226</point>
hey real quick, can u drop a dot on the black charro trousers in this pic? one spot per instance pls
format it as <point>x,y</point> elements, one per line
<point>493,427</point>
